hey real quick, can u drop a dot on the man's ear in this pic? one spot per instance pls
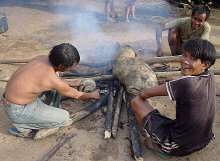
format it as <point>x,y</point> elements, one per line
<point>60,68</point>
<point>206,66</point>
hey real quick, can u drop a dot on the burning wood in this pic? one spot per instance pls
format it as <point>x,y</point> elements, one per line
<point>117,112</point>
<point>133,126</point>
<point>108,123</point>
<point>88,110</point>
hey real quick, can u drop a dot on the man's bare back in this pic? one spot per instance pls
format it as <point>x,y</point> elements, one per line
<point>30,80</point>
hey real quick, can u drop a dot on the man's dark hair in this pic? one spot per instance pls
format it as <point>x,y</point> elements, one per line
<point>64,54</point>
<point>201,49</point>
<point>201,9</point>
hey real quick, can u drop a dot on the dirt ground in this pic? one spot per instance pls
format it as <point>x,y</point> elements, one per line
<point>34,29</point>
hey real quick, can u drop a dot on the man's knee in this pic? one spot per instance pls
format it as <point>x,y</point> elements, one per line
<point>63,118</point>
<point>134,103</point>
<point>173,36</point>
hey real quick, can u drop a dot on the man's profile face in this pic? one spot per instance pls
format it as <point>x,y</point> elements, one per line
<point>190,65</point>
<point>61,69</point>
<point>197,20</point>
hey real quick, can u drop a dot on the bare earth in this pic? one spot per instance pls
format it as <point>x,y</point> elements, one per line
<point>34,29</point>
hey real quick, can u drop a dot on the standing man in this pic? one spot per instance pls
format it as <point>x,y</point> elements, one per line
<point>182,29</point>
<point>31,116</point>
<point>110,11</point>
<point>130,6</point>
<point>194,94</point>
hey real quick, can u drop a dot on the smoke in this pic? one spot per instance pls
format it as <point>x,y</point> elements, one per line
<point>93,44</point>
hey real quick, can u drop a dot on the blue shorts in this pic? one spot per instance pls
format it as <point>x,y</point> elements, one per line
<point>36,115</point>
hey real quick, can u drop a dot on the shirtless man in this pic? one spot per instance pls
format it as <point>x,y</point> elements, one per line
<point>182,29</point>
<point>21,100</point>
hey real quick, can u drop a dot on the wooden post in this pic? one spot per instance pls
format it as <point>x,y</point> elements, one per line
<point>108,122</point>
<point>133,126</point>
<point>117,112</point>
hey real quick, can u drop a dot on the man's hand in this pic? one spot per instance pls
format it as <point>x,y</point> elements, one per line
<point>159,52</point>
<point>95,95</point>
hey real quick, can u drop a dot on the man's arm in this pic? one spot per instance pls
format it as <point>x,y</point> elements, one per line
<point>159,31</point>
<point>76,83</point>
<point>63,88</point>
<point>155,91</point>
<point>206,32</point>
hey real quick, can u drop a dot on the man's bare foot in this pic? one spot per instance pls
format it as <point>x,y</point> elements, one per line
<point>152,146</point>
<point>115,15</point>
<point>110,19</point>
<point>136,18</point>
<point>127,21</point>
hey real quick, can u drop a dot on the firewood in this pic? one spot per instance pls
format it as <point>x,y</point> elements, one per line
<point>164,59</point>
<point>95,78</point>
<point>167,59</point>
<point>14,61</point>
<point>108,122</point>
<point>167,74</point>
<point>111,77</point>
<point>133,126</point>
<point>90,109</point>
<point>57,147</point>
<point>117,112</point>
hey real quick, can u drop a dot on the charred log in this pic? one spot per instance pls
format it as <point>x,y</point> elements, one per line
<point>108,123</point>
<point>133,126</point>
<point>117,112</point>
<point>90,109</point>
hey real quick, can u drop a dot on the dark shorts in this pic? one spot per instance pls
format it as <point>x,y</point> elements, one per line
<point>158,127</point>
<point>131,2</point>
<point>108,1</point>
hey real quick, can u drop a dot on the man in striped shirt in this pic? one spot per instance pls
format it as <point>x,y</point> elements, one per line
<point>194,94</point>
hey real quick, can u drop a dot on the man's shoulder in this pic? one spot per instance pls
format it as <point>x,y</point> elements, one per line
<point>177,22</point>
<point>207,25</point>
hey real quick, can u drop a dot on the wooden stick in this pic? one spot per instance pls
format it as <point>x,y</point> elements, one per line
<point>60,144</point>
<point>111,77</point>
<point>166,59</point>
<point>96,78</point>
<point>117,112</point>
<point>133,126</point>
<point>90,109</point>
<point>108,122</point>
<point>14,61</point>
<point>167,74</point>
<point>70,74</point>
